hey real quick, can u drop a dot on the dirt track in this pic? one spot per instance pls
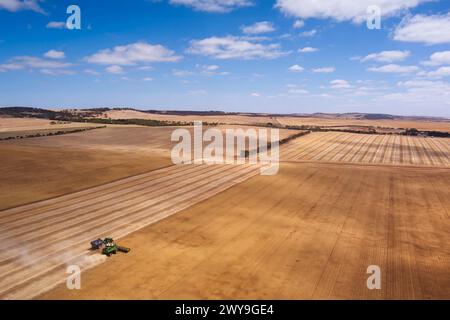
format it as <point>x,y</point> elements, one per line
<point>309,232</point>
<point>41,237</point>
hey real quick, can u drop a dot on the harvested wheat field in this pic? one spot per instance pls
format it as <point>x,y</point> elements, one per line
<point>41,238</point>
<point>381,123</point>
<point>29,124</point>
<point>309,232</point>
<point>40,168</point>
<point>370,149</point>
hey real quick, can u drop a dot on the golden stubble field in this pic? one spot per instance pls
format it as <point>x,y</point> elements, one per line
<point>308,233</point>
<point>340,203</point>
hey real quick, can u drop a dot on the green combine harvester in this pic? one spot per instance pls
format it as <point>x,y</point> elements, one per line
<point>108,246</point>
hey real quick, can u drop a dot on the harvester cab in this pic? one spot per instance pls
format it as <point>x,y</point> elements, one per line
<point>108,246</point>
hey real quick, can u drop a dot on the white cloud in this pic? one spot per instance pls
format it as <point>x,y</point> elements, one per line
<point>212,70</point>
<point>343,10</point>
<point>147,79</point>
<point>132,54</point>
<point>114,69</point>
<point>182,73</point>
<point>219,6</point>
<point>56,25</point>
<point>309,34</point>
<point>324,70</point>
<point>259,28</point>
<point>18,5</point>
<point>439,73</point>
<point>54,54</point>
<point>438,58</point>
<point>255,94</point>
<point>340,84</point>
<point>296,68</point>
<point>231,47</point>
<point>430,30</point>
<point>29,62</point>
<point>394,68</point>
<point>307,50</point>
<point>298,24</point>
<point>91,72</point>
<point>387,56</point>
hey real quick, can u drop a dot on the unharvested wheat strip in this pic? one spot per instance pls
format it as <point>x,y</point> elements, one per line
<point>360,147</point>
<point>325,140</point>
<point>73,230</point>
<point>95,210</point>
<point>322,140</point>
<point>69,206</point>
<point>349,152</point>
<point>55,202</point>
<point>138,221</point>
<point>337,148</point>
<point>301,144</point>
<point>321,154</point>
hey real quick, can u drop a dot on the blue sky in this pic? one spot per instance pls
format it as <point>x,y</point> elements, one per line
<point>278,56</point>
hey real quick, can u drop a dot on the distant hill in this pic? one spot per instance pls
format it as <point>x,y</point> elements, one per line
<point>27,112</point>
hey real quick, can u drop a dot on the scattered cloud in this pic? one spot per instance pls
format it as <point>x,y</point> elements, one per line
<point>92,72</point>
<point>309,34</point>
<point>394,68</point>
<point>387,56</point>
<point>439,73</point>
<point>218,6</point>
<point>54,54</point>
<point>212,70</point>
<point>232,47</point>
<point>132,54</point>
<point>182,73</point>
<point>114,69</point>
<point>438,58</point>
<point>29,62</point>
<point>19,5</point>
<point>296,68</point>
<point>56,25</point>
<point>340,84</point>
<point>307,50</point>
<point>298,24</point>
<point>434,29</point>
<point>147,79</point>
<point>324,70</point>
<point>343,10</point>
<point>259,28</point>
